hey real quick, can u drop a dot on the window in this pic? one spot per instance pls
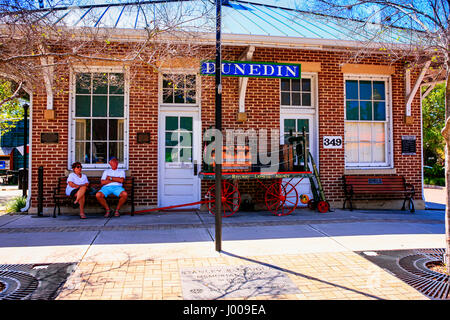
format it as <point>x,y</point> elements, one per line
<point>296,92</point>
<point>366,123</point>
<point>99,117</point>
<point>294,126</point>
<point>179,89</point>
<point>178,137</point>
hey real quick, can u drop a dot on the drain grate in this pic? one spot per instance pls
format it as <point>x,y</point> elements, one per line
<point>33,281</point>
<point>410,267</point>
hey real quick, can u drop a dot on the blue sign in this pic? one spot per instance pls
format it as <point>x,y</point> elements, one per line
<point>2,164</point>
<point>253,69</point>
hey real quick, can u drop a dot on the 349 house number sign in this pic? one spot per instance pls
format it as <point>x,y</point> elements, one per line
<point>332,142</point>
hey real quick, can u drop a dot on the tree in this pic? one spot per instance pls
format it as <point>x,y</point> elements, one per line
<point>433,112</point>
<point>35,42</point>
<point>415,31</point>
<point>11,110</point>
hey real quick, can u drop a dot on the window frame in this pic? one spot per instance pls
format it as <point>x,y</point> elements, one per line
<point>388,163</point>
<point>184,106</point>
<point>72,119</point>
<point>312,78</point>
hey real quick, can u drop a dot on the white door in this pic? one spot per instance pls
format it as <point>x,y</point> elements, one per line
<point>296,123</point>
<point>179,145</point>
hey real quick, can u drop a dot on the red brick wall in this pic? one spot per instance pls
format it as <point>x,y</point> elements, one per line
<point>263,111</point>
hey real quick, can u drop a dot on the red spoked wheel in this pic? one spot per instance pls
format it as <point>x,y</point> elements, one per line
<point>312,204</point>
<point>323,206</point>
<point>281,199</point>
<point>231,199</point>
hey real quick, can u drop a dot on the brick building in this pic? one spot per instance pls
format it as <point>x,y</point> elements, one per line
<point>364,103</point>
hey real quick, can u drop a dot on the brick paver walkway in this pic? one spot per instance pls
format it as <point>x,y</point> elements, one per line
<point>343,276</point>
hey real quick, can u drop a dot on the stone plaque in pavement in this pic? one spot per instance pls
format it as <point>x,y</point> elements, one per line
<point>218,282</point>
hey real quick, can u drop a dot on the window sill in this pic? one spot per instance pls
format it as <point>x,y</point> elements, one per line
<point>370,171</point>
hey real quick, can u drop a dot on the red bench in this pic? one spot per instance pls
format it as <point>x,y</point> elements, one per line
<point>378,187</point>
<point>60,197</point>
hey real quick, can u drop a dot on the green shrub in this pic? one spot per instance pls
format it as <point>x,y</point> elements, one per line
<point>16,204</point>
<point>434,175</point>
<point>434,181</point>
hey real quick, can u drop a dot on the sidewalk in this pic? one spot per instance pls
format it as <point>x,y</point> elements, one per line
<point>147,256</point>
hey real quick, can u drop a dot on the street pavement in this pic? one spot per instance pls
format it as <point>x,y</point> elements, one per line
<point>143,256</point>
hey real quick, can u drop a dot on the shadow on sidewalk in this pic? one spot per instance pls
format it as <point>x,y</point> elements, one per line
<point>300,275</point>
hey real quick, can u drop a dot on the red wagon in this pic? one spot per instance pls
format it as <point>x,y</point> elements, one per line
<point>281,197</point>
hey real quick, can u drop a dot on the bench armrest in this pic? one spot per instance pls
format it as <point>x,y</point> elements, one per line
<point>410,187</point>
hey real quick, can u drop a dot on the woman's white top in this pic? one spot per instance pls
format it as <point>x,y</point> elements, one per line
<point>77,180</point>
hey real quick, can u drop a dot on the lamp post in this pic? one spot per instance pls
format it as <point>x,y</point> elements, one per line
<point>25,134</point>
<point>218,153</point>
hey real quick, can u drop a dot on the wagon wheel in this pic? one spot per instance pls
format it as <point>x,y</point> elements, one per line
<point>281,199</point>
<point>312,204</point>
<point>231,199</point>
<point>323,206</point>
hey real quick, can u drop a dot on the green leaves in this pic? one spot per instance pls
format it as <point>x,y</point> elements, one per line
<point>433,109</point>
<point>11,111</point>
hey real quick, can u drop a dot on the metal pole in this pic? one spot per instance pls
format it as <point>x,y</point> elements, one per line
<point>40,191</point>
<point>218,153</point>
<point>25,135</point>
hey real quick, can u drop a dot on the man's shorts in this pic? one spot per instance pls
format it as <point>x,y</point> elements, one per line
<point>115,190</point>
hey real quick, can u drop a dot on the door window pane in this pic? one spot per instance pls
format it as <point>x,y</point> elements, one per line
<point>172,155</point>
<point>171,123</point>
<point>185,154</point>
<point>289,124</point>
<point>185,139</point>
<point>171,138</point>
<point>186,123</point>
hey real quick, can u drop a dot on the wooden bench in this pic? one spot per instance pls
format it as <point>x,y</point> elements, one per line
<point>60,197</point>
<point>386,186</point>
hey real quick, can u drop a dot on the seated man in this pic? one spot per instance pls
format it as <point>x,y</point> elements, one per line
<point>112,180</point>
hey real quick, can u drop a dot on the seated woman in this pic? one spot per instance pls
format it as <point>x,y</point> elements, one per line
<point>77,185</point>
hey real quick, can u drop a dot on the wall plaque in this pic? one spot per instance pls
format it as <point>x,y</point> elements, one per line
<point>408,145</point>
<point>220,282</point>
<point>143,137</point>
<point>49,137</point>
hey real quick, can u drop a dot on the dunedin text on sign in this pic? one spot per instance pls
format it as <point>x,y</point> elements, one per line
<point>253,69</point>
